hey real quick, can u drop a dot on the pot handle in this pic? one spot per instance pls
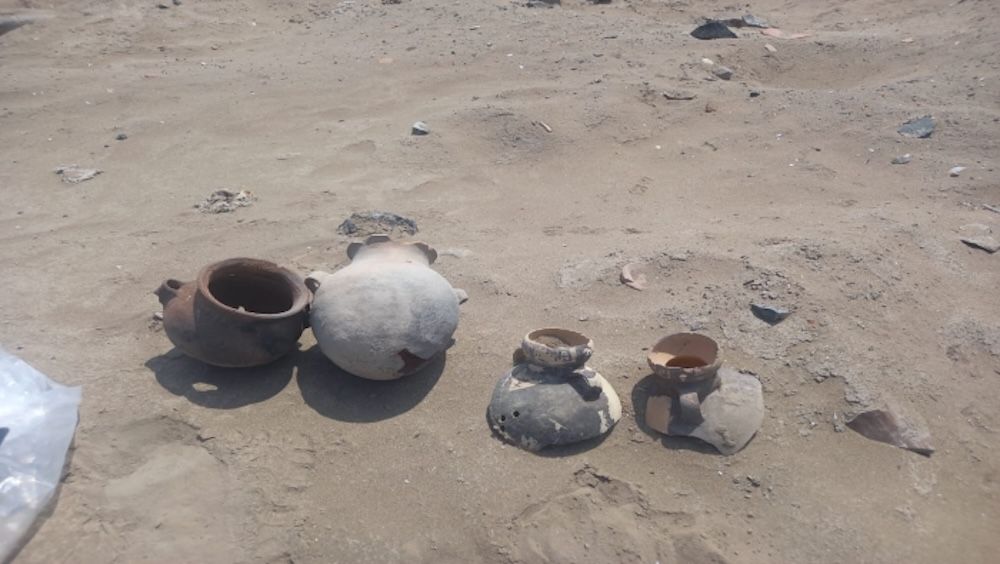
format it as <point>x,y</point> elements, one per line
<point>461,294</point>
<point>589,378</point>
<point>315,280</point>
<point>690,407</point>
<point>168,290</point>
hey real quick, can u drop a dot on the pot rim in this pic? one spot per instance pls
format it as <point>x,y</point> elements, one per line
<point>576,352</point>
<point>379,239</point>
<point>684,374</point>
<point>301,296</point>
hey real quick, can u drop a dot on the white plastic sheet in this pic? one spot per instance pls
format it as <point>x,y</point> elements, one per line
<point>37,420</point>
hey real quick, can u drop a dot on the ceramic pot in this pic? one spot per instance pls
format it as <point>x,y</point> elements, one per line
<point>387,314</point>
<point>239,312</point>
<point>693,396</point>
<point>551,397</point>
<point>687,365</point>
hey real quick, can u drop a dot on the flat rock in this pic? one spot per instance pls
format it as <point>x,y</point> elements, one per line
<point>74,174</point>
<point>918,128</point>
<point>678,95</point>
<point>769,314</point>
<point>713,30</point>
<point>725,73</point>
<point>363,224</point>
<point>983,242</point>
<point>886,426</point>
<point>226,201</point>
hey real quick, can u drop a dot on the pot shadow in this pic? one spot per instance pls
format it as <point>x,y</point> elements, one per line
<point>220,388</point>
<point>334,393</point>
<point>640,393</point>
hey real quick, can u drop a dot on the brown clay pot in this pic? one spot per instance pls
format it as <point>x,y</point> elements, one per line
<point>687,365</point>
<point>692,395</point>
<point>239,312</point>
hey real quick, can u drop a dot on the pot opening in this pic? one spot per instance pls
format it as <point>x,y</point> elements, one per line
<point>686,362</point>
<point>551,341</point>
<point>252,290</point>
<point>558,338</point>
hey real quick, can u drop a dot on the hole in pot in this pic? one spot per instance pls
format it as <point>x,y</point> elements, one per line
<point>502,429</point>
<point>517,414</point>
<point>503,418</point>
<point>253,290</point>
<point>686,362</point>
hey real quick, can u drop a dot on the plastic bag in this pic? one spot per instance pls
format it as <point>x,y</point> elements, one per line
<point>39,417</point>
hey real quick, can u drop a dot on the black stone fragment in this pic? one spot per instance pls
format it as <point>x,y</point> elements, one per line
<point>713,29</point>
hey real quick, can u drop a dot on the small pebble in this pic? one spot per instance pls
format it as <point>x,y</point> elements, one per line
<point>955,171</point>
<point>121,137</point>
<point>902,159</point>
<point>420,128</point>
<point>725,73</point>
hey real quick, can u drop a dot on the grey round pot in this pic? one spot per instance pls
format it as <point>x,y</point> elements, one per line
<point>551,397</point>
<point>385,315</point>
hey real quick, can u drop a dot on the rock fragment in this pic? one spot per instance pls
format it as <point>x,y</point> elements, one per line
<point>885,426</point>
<point>74,174</point>
<point>918,128</point>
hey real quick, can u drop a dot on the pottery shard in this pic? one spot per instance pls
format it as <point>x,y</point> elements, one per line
<point>731,415</point>
<point>633,277</point>
<point>886,426</point>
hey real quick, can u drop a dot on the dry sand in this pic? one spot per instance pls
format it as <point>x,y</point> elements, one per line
<point>788,197</point>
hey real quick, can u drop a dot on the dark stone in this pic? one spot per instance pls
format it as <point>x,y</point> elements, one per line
<point>121,137</point>
<point>713,30</point>
<point>362,224</point>
<point>754,93</point>
<point>769,314</point>
<point>919,128</point>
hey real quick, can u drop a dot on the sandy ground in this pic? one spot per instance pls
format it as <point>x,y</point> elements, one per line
<point>787,196</point>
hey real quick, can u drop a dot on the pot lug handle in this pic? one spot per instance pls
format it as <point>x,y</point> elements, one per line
<point>461,294</point>
<point>315,280</point>
<point>168,290</point>
<point>690,407</point>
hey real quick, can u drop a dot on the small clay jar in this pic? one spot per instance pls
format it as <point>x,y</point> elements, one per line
<point>687,365</point>
<point>551,397</point>
<point>694,396</point>
<point>239,312</point>
<point>387,314</point>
